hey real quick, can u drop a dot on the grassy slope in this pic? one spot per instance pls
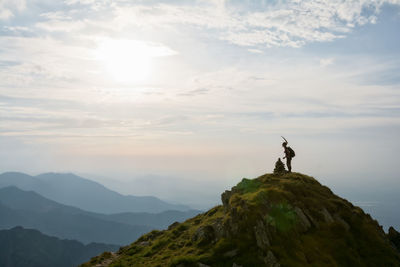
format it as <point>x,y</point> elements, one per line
<point>339,234</point>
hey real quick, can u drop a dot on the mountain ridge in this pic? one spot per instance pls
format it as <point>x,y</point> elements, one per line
<point>29,209</point>
<point>273,220</point>
<point>73,190</point>
<point>21,247</point>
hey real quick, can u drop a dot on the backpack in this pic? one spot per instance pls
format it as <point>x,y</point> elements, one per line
<point>291,152</point>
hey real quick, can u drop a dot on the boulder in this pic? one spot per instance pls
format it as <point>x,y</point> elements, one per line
<point>225,199</point>
<point>204,235</point>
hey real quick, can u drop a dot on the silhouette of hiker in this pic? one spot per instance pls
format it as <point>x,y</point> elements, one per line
<point>289,154</point>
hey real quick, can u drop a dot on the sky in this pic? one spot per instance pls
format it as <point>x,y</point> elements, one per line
<point>182,99</point>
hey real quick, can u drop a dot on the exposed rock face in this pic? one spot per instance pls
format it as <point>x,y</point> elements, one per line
<point>304,223</point>
<point>270,260</point>
<point>342,222</point>
<point>274,220</point>
<point>225,199</point>
<point>204,235</point>
<point>260,232</point>
<point>231,253</point>
<point>394,237</point>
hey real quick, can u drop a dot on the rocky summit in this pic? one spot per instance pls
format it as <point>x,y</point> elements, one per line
<point>274,220</point>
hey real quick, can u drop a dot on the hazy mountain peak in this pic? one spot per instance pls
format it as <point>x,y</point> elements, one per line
<point>73,190</point>
<point>16,177</point>
<point>11,173</point>
<point>55,175</point>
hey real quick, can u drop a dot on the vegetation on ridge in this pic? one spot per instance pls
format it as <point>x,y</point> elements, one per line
<point>273,220</point>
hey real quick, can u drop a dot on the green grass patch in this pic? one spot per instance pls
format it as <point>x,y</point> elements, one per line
<point>282,217</point>
<point>248,185</point>
<point>187,261</point>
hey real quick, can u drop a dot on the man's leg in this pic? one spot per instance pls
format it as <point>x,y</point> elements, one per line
<point>289,164</point>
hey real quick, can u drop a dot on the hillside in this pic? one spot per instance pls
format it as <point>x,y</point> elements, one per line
<point>29,248</point>
<point>273,220</point>
<point>70,189</point>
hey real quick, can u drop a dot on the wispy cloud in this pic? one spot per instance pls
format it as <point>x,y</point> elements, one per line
<point>8,8</point>
<point>289,23</point>
<point>281,23</point>
<point>194,92</point>
<point>323,62</point>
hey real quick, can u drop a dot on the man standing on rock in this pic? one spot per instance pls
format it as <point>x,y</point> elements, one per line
<point>289,154</point>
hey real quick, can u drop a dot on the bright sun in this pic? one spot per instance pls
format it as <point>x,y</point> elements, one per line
<point>130,61</point>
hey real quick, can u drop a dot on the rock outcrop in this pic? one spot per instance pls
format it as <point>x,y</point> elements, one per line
<point>394,237</point>
<point>273,220</point>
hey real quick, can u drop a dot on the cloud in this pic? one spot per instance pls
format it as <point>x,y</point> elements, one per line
<point>195,92</point>
<point>59,62</point>
<point>255,51</point>
<point>82,2</point>
<point>17,29</point>
<point>323,62</point>
<point>5,14</point>
<point>290,23</point>
<point>9,7</point>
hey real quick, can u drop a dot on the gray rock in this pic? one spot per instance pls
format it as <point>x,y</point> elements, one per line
<point>225,199</point>
<point>261,233</point>
<point>145,243</point>
<point>236,265</point>
<point>338,219</point>
<point>219,228</point>
<point>233,222</point>
<point>202,265</point>
<point>303,221</point>
<point>312,220</point>
<point>270,260</point>
<point>327,216</point>
<point>231,254</point>
<point>394,238</point>
<point>204,235</point>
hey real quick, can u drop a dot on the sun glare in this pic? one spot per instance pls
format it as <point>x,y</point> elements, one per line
<point>130,61</point>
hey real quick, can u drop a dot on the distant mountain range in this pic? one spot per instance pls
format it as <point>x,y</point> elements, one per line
<point>33,202</point>
<point>29,248</point>
<point>70,189</point>
<point>31,210</point>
